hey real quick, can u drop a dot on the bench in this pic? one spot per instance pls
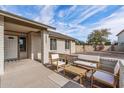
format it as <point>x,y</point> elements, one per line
<point>88,61</point>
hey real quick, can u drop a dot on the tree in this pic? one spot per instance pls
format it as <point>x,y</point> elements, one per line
<point>78,42</point>
<point>97,37</point>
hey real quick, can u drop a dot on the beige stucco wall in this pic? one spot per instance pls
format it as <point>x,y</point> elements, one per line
<point>1,45</point>
<point>35,46</point>
<point>121,38</point>
<point>10,47</point>
<point>121,42</point>
<point>21,55</point>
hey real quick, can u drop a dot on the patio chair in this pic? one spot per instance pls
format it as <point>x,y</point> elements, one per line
<point>56,61</point>
<point>106,78</point>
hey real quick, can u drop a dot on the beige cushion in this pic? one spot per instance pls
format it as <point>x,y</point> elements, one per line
<point>90,64</point>
<point>104,76</point>
<point>59,63</point>
<point>116,69</point>
<point>89,58</point>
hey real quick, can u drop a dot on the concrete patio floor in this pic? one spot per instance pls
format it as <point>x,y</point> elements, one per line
<point>29,73</point>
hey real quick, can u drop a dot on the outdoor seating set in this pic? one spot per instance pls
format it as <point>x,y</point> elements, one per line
<point>87,67</point>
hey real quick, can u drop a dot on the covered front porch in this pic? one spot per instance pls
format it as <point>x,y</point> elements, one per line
<point>21,39</point>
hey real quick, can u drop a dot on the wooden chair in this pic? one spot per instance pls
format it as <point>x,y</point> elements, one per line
<point>106,78</point>
<point>56,61</point>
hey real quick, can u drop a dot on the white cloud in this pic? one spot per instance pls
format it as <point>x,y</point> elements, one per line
<point>88,13</point>
<point>61,14</point>
<point>46,14</point>
<point>2,7</point>
<point>115,22</point>
<point>67,12</point>
<point>8,9</point>
<point>73,28</point>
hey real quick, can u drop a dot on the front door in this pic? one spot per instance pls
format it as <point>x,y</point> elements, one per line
<point>22,47</point>
<point>10,47</point>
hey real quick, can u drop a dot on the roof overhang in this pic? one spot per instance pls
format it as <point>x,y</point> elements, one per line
<point>11,18</point>
<point>61,36</point>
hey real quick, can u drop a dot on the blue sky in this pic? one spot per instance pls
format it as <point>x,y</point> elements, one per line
<point>76,21</point>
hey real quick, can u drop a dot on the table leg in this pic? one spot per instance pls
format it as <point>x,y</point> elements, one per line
<point>81,81</point>
<point>64,72</point>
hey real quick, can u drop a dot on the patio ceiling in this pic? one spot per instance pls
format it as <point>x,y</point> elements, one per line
<point>19,28</point>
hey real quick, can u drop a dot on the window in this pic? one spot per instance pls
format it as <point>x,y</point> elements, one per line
<point>67,44</point>
<point>22,44</point>
<point>53,44</point>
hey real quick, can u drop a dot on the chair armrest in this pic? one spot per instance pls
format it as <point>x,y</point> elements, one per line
<point>116,77</point>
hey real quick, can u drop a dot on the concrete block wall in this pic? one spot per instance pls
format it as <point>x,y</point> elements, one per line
<point>1,45</point>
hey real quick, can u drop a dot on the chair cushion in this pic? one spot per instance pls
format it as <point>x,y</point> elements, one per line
<point>90,64</point>
<point>89,57</point>
<point>59,63</point>
<point>104,76</point>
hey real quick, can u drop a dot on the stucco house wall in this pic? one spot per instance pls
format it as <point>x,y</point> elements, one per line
<point>61,47</point>
<point>36,46</point>
<point>121,38</point>
<point>121,41</point>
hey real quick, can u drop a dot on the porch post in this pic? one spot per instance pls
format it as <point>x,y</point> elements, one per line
<point>1,45</point>
<point>44,46</point>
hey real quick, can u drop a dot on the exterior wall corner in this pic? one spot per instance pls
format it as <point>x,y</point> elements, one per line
<point>1,45</point>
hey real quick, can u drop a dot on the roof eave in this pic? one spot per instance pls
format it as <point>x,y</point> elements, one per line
<point>10,15</point>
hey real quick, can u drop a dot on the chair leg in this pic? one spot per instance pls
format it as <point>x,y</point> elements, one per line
<point>92,79</point>
<point>115,84</point>
<point>81,81</point>
<point>57,68</point>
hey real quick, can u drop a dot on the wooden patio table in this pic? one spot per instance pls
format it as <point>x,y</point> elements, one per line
<point>81,72</point>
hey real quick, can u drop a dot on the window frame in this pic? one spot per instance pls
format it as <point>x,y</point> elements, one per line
<point>67,44</point>
<point>53,44</point>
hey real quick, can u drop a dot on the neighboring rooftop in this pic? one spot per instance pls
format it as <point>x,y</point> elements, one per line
<point>120,32</point>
